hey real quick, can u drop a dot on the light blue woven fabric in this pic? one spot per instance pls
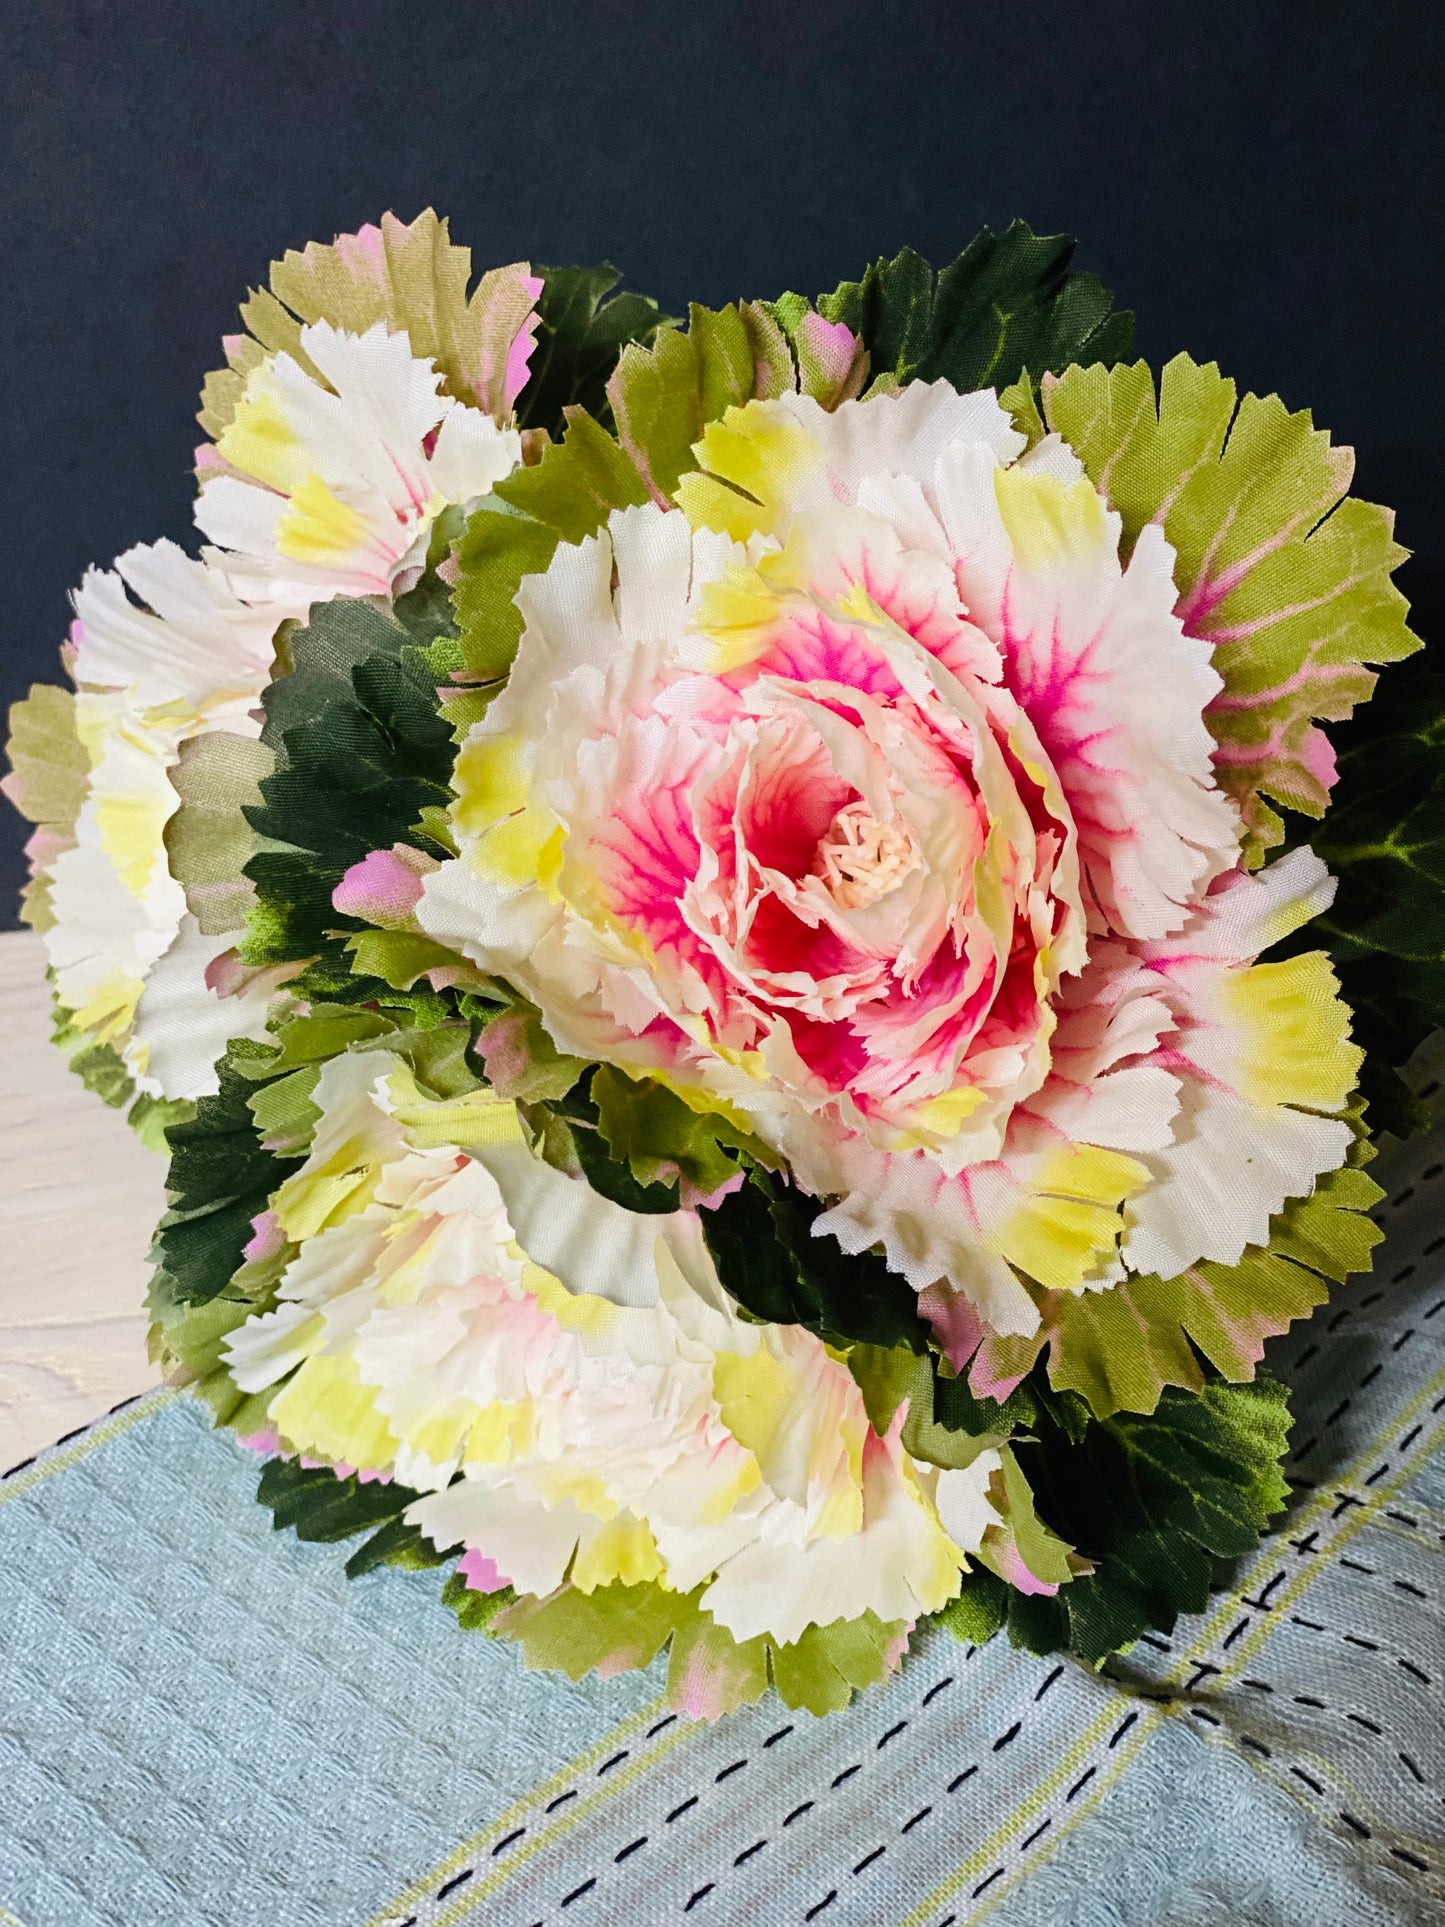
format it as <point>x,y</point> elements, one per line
<point>202,1721</point>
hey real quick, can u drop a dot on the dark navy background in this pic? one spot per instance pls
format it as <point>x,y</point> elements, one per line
<point>1259,181</point>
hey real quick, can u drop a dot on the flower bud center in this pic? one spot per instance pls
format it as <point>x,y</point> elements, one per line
<point>860,859</point>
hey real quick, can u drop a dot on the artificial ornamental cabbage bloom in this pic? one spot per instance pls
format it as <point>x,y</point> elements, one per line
<point>325,481</point>
<point>574,1391</point>
<point>866,797</point>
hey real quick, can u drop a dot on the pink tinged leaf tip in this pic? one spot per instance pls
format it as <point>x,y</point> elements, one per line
<point>382,889</point>
<point>267,1238</point>
<point>267,1442</point>
<point>1010,1565</point>
<point>519,355</point>
<point>480,1572</point>
<point>831,360</point>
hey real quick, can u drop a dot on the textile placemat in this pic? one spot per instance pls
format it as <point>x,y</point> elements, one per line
<point>202,1721</point>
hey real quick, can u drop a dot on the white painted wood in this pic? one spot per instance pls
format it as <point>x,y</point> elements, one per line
<point>79,1200</point>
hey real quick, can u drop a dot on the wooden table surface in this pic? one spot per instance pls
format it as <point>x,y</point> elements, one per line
<point>79,1200</point>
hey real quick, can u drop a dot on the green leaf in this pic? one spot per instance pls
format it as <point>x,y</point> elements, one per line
<point>1157,1502</point>
<point>946,1424</point>
<point>319,1506</point>
<point>620,1628</point>
<point>396,1544</point>
<point>475,1610</point>
<point>665,395</point>
<point>1009,302</point>
<point>614,1629</point>
<point>515,530</point>
<point>584,327</point>
<point>220,1177</point>
<point>47,782</point>
<point>361,754</point>
<point>408,275</point>
<point>760,1239</point>
<point>208,840</point>
<point>1120,1348</point>
<point>664,1141</point>
<point>1284,574</point>
<point>979,1610</point>
<point>521,1060</point>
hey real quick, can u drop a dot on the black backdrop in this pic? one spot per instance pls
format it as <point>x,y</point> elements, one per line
<point>1259,181</point>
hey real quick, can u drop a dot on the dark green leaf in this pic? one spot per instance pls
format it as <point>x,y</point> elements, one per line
<point>582,333</point>
<point>761,1240</point>
<point>397,1544</point>
<point>220,1177</point>
<point>317,1505</point>
<point>1160,1503</point>
<point>1008,303</point>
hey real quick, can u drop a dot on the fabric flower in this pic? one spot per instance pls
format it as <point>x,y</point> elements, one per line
<point>328,479</point>
<point>325,483</point>
<point>867,798</point>
<point>611,1417</point>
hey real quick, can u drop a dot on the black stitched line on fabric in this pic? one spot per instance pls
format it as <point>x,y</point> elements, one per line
<point>1371,1376</point>
<point>909,1825</point>
<point>1365,1645</point>
<point>723,1772</point>
<point>1403,1339</point>
<point>869,1858</point>
<point>677,1812</point>
<point>457,1880</point>
<point>1079,1784</point>
<point>1259,1685</point>
<point>948,1921</point>
<point>1057,1673</point>
<point>577,1892</point>
<point>1159,1645</point>
<point>748,1852</point>
<point>1339,1412</point>
<point>1403,1197</point>
<point>702,1894</point>
<point>891,1734</point>
<point>1359,1719</point>
<point>1304,1699</point>
<point>1411,1859</point>
<point>1371,1298</point>
<point>967,1774</point>
<point>781,1734</point>
<point>1435,1245</point>
<point>1415,1592</point>
<point>607,1765</point>
<point>1198,1713</point>
<point>1415,1672</point>
<point>1007,1739</point>
<point>984,1885</point>
<point>1353,1565</point>
<point>1358,1825</point>
<point>1313,1784</point>
<point>1433,1172</point>
<point>1121,1729</point>
<point>798,1812</point>
<point>1410,1764</point>
<point>511,1838</point>
<point>1409,1438</point>
<point>561,1800</point>
<point>1439,1305</point>
<point>640,1841</point>
<point>1305,1356</point>
<point>1235,1631</point>
<point>1405,1271</point>
<point>1378,1473</point>
<point>934,1691</point>
<point>1254,1745</point>
<point>848,1772</point>
<point>1037,1834</point>
<point>826,1901</point>
<point>653,1731</point>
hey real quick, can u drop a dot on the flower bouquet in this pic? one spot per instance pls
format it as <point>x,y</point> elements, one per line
<point>718,924</point>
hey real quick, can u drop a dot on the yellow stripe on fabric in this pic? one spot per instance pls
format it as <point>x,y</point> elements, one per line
<point>480,1890</point>
<point>560,1782</point>
<point>1152,1716</point>
<point>1027,1809</point>
<point>8,1919</point>
<point>99,1434</point>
